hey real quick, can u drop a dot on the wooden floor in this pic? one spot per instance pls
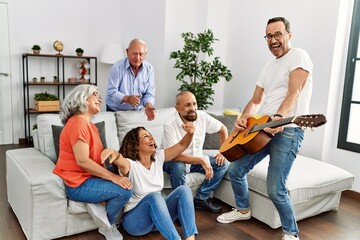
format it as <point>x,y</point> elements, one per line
<point>341,224</point>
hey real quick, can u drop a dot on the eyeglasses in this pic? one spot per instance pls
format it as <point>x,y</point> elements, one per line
<point>97,95</point>
<point>277,36</point>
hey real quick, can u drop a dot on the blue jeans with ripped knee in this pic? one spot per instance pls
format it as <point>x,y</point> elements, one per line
<point>282,150</point>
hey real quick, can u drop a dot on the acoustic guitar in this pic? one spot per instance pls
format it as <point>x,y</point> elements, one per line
<point>252,138</point>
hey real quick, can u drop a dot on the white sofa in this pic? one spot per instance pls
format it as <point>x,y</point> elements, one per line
<point>38,199</point>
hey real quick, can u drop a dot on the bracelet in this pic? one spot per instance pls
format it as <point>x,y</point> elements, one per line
<point>277,115</point>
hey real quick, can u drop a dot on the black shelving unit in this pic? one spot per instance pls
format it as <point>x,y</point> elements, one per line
<point>60,86</point>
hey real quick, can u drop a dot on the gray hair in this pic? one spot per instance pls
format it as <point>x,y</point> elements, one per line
<point>75,101</point>
<point>136,40</point>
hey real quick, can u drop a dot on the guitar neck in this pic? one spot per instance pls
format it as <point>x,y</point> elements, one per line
<point>273,124</point>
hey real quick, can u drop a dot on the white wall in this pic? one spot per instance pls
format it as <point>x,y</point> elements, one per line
<point>240,27</point>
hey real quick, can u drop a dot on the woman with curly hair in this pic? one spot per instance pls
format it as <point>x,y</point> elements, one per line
<point>147,210</point>
<point>79,164</point>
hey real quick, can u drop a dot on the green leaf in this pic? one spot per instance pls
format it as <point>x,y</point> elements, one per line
<point>196,74</point>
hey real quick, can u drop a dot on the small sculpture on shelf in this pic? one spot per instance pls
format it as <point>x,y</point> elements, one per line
<point>36,49</point>
<point>84,71</point>
<point>79,52</point>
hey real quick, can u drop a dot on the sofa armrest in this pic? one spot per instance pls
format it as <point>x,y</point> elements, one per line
<point>36,195</point>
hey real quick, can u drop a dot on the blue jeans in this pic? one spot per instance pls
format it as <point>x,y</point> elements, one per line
<point>177,171</point>
<point>95,190</point>
<point>282,150</point>
<point>154,212</point>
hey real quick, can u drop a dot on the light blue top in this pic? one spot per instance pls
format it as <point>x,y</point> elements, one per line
<point>122,82</point>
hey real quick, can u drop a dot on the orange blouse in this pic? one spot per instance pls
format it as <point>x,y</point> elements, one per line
<point>66,167</point>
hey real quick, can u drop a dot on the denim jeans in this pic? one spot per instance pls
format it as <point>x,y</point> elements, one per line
<point>282,150</point>
<point>154,212</point>
<point>95,190</point>
<point>177,171</point>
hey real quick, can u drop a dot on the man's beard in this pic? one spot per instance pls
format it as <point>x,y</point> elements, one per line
<point>190,118</point>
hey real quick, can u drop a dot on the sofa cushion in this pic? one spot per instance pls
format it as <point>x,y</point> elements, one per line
<point>308,178</point>
<point>212,140</point>
<point>45,138</point>
<point>56,130</point>
<point>127,120</point>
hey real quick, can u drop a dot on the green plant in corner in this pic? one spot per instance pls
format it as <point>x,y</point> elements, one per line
<point>45,97</point>
<point>202,74</point>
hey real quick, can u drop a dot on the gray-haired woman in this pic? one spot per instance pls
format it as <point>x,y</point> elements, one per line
<point>79,165</point>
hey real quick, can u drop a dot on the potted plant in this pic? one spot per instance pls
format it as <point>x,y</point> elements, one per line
<point>36,49</point>
<point>46,102</point>
<point>79,52</point>
<point>196,74</point>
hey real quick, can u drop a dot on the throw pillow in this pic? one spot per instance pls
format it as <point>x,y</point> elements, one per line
<point>228,112</point>
<point>212,140</point>
<point>56,130</point>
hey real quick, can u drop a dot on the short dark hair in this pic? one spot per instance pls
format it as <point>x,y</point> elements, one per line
<point>280,19</point>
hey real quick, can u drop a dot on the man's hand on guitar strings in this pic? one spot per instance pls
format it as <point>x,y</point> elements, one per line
<point>240,124</point>
<point>276,130</point>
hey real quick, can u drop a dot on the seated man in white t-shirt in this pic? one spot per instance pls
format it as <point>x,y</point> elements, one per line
<point>214,167</point>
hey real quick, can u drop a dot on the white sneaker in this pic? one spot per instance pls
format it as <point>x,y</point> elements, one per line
<point>289,237</point>
<point>234,215</point>
<point>111,233</point>
<point>98,214</point>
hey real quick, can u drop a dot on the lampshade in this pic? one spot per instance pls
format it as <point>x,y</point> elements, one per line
<point>111,53</point>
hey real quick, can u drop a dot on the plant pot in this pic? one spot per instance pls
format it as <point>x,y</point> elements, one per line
<point>36,52</point>
<point>79,54</point>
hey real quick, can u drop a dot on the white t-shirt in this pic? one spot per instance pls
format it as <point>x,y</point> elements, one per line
<point>173,132</point>
<point>274,79</point>
<point>145,180</point>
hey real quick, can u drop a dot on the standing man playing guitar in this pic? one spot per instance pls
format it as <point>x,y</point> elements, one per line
<point>283,89</point>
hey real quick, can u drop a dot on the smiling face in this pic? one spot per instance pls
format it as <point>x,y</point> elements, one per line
<point>279,39</point>
<point>186,106</point>
<point>94,102</point>
<point>146,142</point>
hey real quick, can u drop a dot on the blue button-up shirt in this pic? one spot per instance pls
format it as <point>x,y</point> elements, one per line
<point>122,82</point>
